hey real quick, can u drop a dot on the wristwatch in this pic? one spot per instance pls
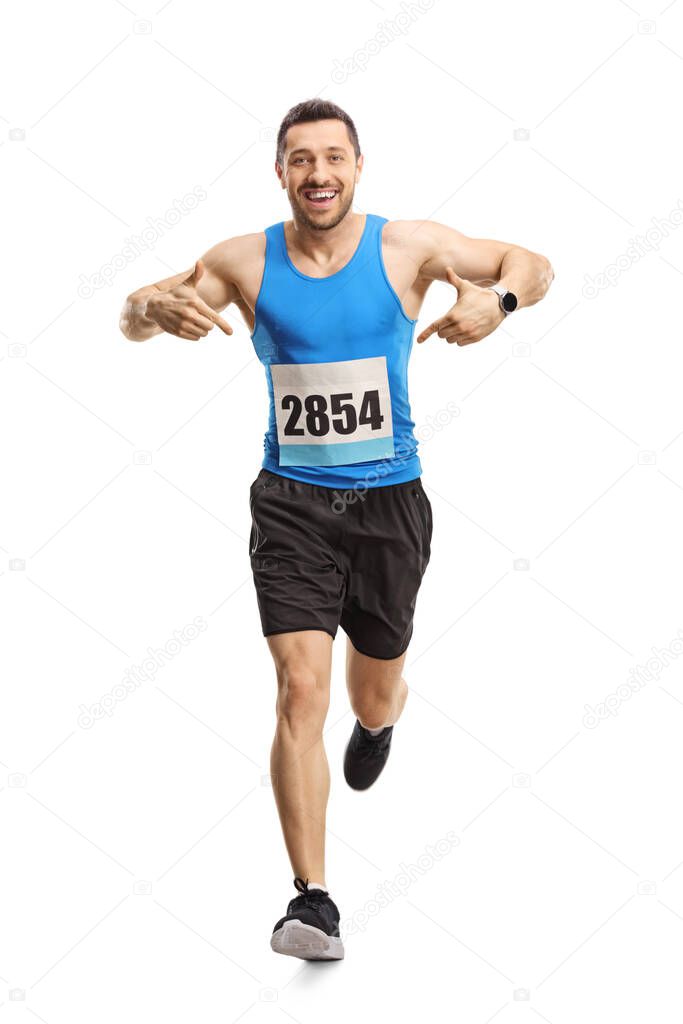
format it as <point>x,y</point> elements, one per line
<point>507,300</point>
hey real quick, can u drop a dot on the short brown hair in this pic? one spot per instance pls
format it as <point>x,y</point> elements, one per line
<point>314,110</point>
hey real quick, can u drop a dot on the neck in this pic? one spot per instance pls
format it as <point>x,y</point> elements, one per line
<point>322,245</point>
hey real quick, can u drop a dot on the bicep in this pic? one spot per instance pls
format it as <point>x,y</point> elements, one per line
<point>215,286</point>
<point>476,259</point>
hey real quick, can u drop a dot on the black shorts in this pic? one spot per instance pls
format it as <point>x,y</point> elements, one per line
<point>323,557</point>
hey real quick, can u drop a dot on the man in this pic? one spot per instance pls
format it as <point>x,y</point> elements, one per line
<point>341,526</point>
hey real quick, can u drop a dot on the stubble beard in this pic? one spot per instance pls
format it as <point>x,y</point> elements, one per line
<point>345,205</point>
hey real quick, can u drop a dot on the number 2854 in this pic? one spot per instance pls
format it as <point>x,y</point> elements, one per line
<point>340,416</point>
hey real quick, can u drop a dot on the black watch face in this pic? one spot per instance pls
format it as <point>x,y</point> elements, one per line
<point>509,302</point>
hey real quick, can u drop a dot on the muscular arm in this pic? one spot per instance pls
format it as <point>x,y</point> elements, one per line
<point>215,287</point>
<point>483,261</point>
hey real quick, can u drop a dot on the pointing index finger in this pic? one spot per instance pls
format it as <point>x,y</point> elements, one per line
<point>428,331</point>
<point>213,316</point>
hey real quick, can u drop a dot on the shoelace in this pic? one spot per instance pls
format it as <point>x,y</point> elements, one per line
<point>308,898</point>
<point>374,746</point>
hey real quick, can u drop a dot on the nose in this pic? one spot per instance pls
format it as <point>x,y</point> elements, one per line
<point>317,170</point>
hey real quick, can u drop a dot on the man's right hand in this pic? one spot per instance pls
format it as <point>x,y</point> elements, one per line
<point>180,310</point>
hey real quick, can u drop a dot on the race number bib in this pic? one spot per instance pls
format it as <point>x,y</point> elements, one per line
<point>333,414</point>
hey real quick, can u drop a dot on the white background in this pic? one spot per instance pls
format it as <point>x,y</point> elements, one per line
<point>142,863</point>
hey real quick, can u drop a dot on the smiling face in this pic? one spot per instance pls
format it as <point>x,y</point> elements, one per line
<point>319,158</point>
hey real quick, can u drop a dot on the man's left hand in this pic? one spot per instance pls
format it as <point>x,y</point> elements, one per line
<point>475,314</point>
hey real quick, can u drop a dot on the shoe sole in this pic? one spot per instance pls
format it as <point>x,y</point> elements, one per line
<point>307,942</point>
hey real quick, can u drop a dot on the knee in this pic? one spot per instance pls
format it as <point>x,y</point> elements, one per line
<point>372,707</point>
<point>302,699</point>
<point>372,716</point>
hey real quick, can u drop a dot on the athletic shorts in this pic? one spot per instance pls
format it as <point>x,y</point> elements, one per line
<point>323,557</point>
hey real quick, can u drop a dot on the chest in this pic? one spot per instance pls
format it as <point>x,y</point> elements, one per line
<point>400,255</point>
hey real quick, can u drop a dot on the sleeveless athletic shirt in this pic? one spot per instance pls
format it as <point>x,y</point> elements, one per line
<point>335,352</point>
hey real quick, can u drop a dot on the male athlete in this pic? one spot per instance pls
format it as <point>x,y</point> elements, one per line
<point>341,525</point>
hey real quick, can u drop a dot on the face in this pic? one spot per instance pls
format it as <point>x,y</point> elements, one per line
<point>319,157</point>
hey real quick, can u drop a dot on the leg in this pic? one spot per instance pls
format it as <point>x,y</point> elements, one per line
<point>298,763</point>
<point>377,690</point>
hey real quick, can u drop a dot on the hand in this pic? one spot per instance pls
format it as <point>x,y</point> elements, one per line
<point>475,314</point>
<point>180,310</point>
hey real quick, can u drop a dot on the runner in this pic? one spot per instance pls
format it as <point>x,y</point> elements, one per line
<point>341,524</point>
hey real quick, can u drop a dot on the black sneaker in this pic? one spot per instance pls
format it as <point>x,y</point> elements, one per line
<point>310,928</point>
<point>366,755</point>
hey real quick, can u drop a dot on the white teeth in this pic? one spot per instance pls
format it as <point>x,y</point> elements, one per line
<point>321,195</point>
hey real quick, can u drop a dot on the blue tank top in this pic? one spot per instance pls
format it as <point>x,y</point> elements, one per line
<point>335,352</point>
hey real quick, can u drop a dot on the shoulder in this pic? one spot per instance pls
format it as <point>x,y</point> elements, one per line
<point>239,248</point>
<point>234,260</point>
<point>230,265</point>
<point>422,237</point>
<point>426,231</point>
<point>418,240</point>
